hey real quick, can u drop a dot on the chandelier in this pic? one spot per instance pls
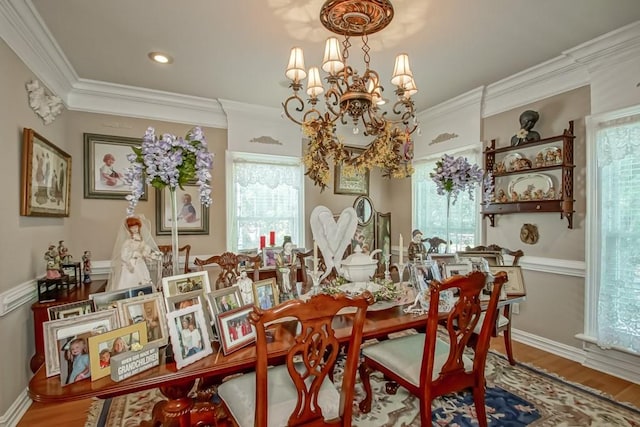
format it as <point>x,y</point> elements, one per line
<point>352,98</point>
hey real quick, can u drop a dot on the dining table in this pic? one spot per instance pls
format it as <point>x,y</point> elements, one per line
<point>184,406</point>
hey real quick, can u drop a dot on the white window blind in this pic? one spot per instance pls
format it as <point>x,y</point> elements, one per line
<point>266,195</point>
<point>618,180</point>
<point>429,208</point>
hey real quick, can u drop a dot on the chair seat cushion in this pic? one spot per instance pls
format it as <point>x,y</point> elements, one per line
<point>239,394</point>
<point>404,356</point>
<point>502,321</point>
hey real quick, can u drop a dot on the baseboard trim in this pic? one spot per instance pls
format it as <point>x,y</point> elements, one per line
<point>609,363</point>
<point>16,410</point>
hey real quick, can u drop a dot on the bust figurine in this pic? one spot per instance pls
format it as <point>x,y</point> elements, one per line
<point>526,133</point>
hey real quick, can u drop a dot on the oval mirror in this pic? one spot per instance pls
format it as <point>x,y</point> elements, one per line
<point>364,209</point>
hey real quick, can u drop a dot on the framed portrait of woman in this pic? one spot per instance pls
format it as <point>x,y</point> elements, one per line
<point>189,335</point>
<point>193,217</point>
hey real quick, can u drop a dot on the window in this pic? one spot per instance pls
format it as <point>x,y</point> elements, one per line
<point>613,295</point>
<point>266,195</point>
<point>429,208</point>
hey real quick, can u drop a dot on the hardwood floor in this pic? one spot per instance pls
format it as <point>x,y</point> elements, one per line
<point>73,414</point>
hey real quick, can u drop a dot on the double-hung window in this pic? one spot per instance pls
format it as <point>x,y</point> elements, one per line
<point>613,279</point>
<point>265,193</point>
<point>429,208</point>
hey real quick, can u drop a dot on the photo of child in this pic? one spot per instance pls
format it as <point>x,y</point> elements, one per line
<point>74,359</point>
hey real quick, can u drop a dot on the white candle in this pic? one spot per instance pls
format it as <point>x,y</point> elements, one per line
<point>315,257</point>
<point>401,243</point>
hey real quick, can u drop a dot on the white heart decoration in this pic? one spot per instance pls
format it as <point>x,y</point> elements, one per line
<point>333,237</point>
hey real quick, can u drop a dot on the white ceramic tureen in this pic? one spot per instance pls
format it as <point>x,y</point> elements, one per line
<point>359,267</point>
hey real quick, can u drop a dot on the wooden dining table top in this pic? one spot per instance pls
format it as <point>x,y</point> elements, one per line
<point>378,324</point>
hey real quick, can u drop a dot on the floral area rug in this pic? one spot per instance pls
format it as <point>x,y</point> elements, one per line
<point>518,395</point>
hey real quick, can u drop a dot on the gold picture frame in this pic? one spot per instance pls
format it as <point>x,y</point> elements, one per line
<point>46,177</point>
<point>265,293</point>
<point>114,342</point>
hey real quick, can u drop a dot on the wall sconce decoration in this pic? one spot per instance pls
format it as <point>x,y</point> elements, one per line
<point>47,107</point>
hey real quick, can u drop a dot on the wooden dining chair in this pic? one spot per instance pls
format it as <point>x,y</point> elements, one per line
<point>300,392</point>
<point>231,265</point>
<point>167,259</point>
<point>429,366</point>
<point>503,320</point>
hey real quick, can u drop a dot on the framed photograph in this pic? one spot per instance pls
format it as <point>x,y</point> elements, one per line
<point>46,177</point>
<point>383,232</point>
<point>224,300</point>
<point>55,330</point>
<point>73,353</point>
<point>265,293</point>
<point>515,284</point>
<point>193,217</point>
<point>184,283</point>
<point>180,301</point>
<point>64,311</point>
<point>356,183</point>
<point>148,309</point>
<point>105,163</point>
<point>103,346</point>
<point>189,335</point>
<point>442,260</point>
<point>108,300</point>
<point>461,268</point>
<point>235,329</point>
<point>269,255</point>
<point>424,272</point>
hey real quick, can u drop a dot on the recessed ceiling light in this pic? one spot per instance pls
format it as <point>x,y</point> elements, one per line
<point>161,58</point>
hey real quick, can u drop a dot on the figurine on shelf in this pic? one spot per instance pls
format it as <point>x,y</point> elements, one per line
<point>526,194</point>
<point>526,133</point>
<point>52,257</point>
<point>417,249</point>
<point>63,253</point>
<point>538,194</point>
<point>502,196</point>
<point>540,160</point>
<point>86,266</point>
<point>522,164</point>
<point>500,169</point>
<point>514,196</point>
<point>551,194</point>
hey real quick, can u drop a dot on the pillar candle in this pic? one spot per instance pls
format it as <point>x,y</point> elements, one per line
<point>272,238</point>
<point>401,243</point>
<point>263,242</point>
<point>315,257</point>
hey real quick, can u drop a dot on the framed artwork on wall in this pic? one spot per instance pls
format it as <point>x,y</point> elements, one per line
<point>105,163</point>
<point>46,177</point>
<point>383,232</point>
<point>193,217</point>
<point>356,183</point>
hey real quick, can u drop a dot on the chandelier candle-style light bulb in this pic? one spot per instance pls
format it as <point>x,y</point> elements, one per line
<point>352,98</point>
<point>295,69</point>
<point>402,74</point>
<point>314,84</point>
<point>332,62</point>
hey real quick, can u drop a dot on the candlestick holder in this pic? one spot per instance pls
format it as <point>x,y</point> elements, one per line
<point>315,279</point>
<point>387,261</point>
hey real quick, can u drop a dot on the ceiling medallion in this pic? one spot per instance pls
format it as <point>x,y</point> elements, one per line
<point>353,97</point>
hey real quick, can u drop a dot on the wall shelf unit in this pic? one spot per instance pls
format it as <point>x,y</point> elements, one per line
<point>532,177</point>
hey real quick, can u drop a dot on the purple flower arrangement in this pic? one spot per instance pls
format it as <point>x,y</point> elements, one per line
<point>453,175</point>
<point>170,161</point>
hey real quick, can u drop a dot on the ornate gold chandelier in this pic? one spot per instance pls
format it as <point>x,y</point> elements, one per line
<point>352,97</point>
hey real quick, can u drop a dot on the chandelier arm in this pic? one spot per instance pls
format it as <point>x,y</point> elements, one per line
<point>300,108</point>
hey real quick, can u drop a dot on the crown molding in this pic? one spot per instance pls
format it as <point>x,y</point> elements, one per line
<point>24,31</point>
<point>616,46</point>
<point>109,98</point>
